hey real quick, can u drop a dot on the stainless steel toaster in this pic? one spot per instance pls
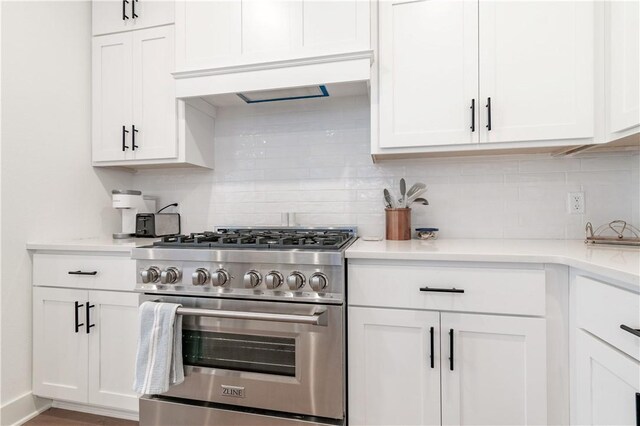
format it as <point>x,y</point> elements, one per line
<point>153,225</point>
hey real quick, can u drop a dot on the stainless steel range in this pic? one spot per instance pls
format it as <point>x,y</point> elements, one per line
<point>263,325</point>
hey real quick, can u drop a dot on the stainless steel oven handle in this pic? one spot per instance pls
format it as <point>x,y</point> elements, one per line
<point>316,319</point>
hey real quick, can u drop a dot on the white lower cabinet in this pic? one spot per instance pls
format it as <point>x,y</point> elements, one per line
<point>607,384</point>
<point>84,346</point>
<point>606,356</point>
<point>409,367</point>
<point>60,350</point>
<point>493,370</point>
<point>394,370</point>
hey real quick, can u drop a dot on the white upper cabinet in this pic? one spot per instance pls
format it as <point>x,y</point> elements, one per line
<point>137,120</point>
<point>622,72</point>
<point>112,16</point>
<point>428,55</point>
<point>463,75</point>
<point>154,102</point>
<point>213,34</point>
<point>537,69</point>
<point>112,83</point>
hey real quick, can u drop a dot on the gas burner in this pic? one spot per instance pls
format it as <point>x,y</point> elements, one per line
<point>263,238</point>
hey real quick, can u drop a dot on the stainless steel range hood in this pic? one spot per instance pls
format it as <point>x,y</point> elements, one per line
<point>277,81</point>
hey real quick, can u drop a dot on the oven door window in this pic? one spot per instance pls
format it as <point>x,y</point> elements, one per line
<point>241,352</point>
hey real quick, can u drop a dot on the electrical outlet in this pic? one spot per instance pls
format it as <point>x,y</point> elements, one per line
<point>575,202</point>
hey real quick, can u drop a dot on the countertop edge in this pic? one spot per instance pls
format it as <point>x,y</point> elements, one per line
<point>551,258</point>
<point>89,246</point>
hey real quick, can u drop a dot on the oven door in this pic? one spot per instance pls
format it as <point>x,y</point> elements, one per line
<point>277,356</point>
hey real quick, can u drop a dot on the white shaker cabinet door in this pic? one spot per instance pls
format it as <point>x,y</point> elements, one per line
<point>428,63</point>
<point>335,26</point>
<point>208,33</point>
<point>113,341</point>
<point>622,47</point>
<point>392,378</point>
<point>154,102</point>
<point>59,346</point>
<point>112,114</point>
<point>493,370</point>
<point>536,70</point>
<point>607,384</point>
<point>112,16</point>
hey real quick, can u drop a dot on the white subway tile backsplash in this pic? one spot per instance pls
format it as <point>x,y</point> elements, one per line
<point>313,158</point>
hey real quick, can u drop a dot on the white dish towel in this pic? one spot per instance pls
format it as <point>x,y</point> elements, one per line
<point>159,356</point>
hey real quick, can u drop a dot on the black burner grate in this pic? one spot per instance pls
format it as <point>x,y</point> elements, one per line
<point>310,239</point>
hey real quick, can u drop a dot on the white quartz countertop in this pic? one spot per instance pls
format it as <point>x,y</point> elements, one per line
<point>615,262</point>
<point>91,244</point>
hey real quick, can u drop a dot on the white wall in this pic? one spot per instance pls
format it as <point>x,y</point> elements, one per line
<point>49,189</point>
<point>312,158</point>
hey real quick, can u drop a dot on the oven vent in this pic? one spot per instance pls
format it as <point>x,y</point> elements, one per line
<point>291,94</point>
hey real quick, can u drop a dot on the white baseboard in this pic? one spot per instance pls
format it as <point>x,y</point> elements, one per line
<point>23,408</point>
<point>100,411</point>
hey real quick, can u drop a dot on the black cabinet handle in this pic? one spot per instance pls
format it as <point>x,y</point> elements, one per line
<point>133,8</point>
<point>124,10</point>
<point>473,115</point>
<point>637,409</point>
<point>451,349</point>
<point>432,345</point>
<point>82,273</point>
<point>133,137</point>
<point>89,325</point>
<point>442,290</point>
<point>488,113</point>
<point>634,331</point>
<point>124,135</point>
<point>78,325</point>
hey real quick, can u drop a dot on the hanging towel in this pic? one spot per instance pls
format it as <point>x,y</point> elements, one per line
<point>159,356</point>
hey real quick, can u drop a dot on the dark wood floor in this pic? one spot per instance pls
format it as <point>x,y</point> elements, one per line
<point>59,417</point>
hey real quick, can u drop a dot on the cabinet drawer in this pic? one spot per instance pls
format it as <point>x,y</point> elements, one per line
<point>491,290</point>
<point>112,272</point>
<point>602,308</point>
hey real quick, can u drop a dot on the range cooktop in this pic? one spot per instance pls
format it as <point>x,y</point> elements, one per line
<point>264,238</point>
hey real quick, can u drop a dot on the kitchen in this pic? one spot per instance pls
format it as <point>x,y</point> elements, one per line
<point>503,213</point>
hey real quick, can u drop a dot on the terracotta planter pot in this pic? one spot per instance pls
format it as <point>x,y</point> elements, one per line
<point>398,224</point>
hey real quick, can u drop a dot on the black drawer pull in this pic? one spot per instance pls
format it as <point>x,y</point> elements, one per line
<point>124,10</point>
<point>89,325</point>
<point>451,349</point>
<point>488,113</point>
<point>133,136</point>
<point>133,9</point>
<point>83,273</point>
<point>473,115</point>
<point>634,331</point>
<point>442,290</point>
<point>78,325</point>
<point>637,409</point>
<point>124,138</point>
<point>432,345</point>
